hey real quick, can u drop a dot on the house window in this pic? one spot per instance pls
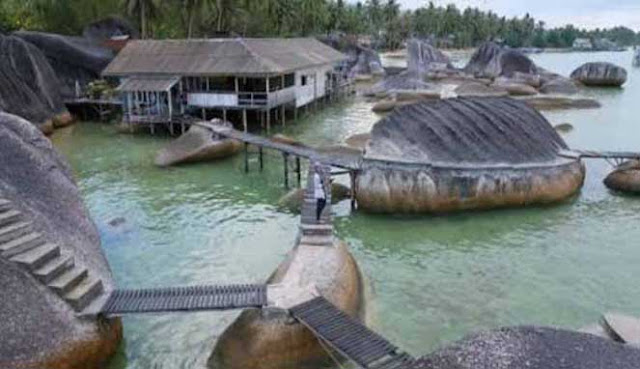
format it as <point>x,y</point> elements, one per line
<point>289,80</point>
<point>304,81</point>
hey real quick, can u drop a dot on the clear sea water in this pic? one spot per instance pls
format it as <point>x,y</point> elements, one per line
<point>433,279</point>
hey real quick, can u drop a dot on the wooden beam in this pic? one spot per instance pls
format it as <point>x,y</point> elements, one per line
<point>244,119</point>
<point>246,157</point>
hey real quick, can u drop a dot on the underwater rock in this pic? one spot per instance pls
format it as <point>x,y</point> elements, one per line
<point>30,88</point>
<point>563,127</point>
<point>269,338</point>
<point>426,157</point>
<point>196,145</point>
<point>39,329</point>
<point>625,178</point>
<point>600,74</point>
<point>532,348</point>
<point>491,60</point>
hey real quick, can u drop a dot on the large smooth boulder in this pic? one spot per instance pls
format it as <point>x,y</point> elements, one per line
<point>492,60</point>
<point>479,89</point>
<point>625,178</point>
<point>38,328</point>
<point>462,154</point>
<point>270,338</point>
<point>196,145</point>
<point>362,61</point>
<point>403,81</point>
<point>106,28</point>
<point>600,74</point>
<point>72,58</point>
<point>422,57</point>
<point>30,87</point>
<point>514,88</point>
<point>559,86</point>
<point>533,348</point>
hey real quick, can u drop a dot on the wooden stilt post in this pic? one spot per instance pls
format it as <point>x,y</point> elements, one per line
<point>283,111</point>
<point>268,120</point>
<point>246,157</point>
<point>298,171</point>
<point>244,120</point>
<point>286,169</point>
<point>261,159</point>
<point>224,114</point>
<point>352,177</point>
<point>204,114</point>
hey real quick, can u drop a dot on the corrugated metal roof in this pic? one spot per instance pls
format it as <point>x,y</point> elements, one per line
<point>238,56</point>
<point>148,83</point>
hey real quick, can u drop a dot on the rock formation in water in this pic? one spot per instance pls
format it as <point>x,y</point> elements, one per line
<point>106,28</point>
<point>559,86</point>
<point>478,89</point>
<point>600,74</point>
<point>30,87</point>
<point>72,58</point>
<point>196,145</point>
<point>491,60</point>
<point>625,178</point>
<point>465,153</point>
<point>514,88</point>
<point>294,199</point>
<point>39,328</point>
<point>362,61</point>
<point>422,57</point>
<point>560,102</point>
<point>533,348</point>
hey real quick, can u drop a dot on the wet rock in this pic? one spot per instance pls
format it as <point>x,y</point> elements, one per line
<point>106,28</point>
<point>514,88</point>
<point>72,58</point>
<point>559,85</point>
<point>600,74</point>
<point>286,140</point>
<point>359,140</point>
<point>623,327</point>
<point>293,200</point>
<point>422,57</point>
<point>479,90</point>
<point>385,106</point>
<point>196,145</point>
<point>30,88</point>
<point>269,338</point>
<point>426,157</point>
<point>625,178</point>
<point>560,102</point>
<point>40,330</point>
<point>532,348</point>
<point>532,80</point>
<point>491,60</point>
<point>563,127</point>
<point>115,222</point>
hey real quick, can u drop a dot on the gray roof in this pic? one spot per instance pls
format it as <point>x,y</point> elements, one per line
<point>237,56</point>
<point>148,83</point>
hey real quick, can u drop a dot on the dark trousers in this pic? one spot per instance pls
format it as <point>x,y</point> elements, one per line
<point>319,207</point>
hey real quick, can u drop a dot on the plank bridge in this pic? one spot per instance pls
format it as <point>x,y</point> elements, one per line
<point>614,158</point>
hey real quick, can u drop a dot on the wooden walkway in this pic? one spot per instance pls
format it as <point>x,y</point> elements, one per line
<point>593,154</point>
<point>196,298</point>
<point>340,160</point>
<point>316,232</point>
<point>347,336</point>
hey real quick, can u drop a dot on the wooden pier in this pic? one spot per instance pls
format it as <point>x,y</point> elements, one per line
<point>614,158</point>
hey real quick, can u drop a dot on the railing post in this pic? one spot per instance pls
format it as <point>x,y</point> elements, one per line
<point>286,169</point>
<point>298,171</point>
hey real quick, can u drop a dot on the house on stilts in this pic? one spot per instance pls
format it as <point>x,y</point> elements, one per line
<point>166,81</point>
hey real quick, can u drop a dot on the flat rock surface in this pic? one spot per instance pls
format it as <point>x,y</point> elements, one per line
<point>465,130</point>
<point>625,327</point>
<point>533,348</point>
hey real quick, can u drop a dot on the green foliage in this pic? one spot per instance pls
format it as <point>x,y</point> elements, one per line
<point>382,20</point>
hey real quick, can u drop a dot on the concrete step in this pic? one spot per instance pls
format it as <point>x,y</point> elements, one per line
<point>54,268</point>
<point>317,240</point>
<point>9,217</point>
<point>5,205</point>
<point>37,257</point>
<point>14,231</point>
<point>69,280</point>
<point>82,295</point>
<point>319,229</point>
<point>21,244</point>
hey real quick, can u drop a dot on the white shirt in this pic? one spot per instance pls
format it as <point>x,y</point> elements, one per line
<point>318,192</point>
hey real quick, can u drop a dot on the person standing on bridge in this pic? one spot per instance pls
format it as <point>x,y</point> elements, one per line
<point>319,192</point>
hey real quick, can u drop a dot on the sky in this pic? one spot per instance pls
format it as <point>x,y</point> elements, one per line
<point>582,13</point>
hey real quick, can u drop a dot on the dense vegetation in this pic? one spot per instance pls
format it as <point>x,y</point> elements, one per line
<point>383,20</point>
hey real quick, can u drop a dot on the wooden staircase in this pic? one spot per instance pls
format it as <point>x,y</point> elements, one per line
<point>21,244</point>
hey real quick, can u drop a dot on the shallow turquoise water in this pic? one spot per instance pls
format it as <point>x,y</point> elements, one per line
<point>433,279</point>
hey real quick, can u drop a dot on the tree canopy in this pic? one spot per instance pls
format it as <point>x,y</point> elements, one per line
<point>382,20</point>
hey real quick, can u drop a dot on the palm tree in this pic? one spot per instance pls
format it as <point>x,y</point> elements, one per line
<point>144,10</point>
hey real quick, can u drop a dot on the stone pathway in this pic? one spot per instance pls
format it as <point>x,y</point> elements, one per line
<point>23,245</point>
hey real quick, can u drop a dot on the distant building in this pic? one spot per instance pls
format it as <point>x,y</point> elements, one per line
<point>582,44</point>
<point>162,79</point>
